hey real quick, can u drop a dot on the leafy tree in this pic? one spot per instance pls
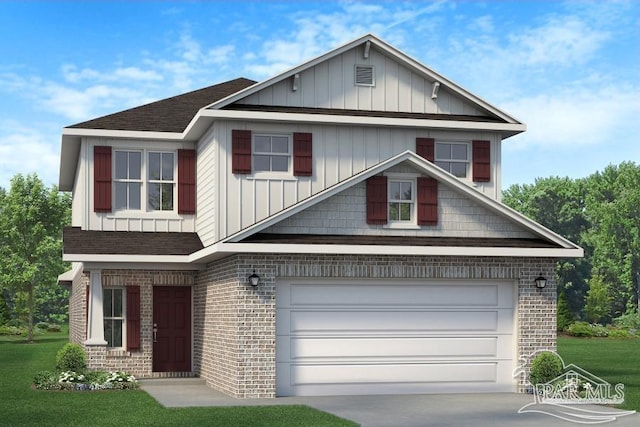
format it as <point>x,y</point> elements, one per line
<point>613,208</point>
<point>598,301</point>
<point>31,220</point>
<point>558,204</point>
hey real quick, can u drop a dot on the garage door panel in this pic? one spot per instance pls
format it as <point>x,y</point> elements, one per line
<point>345,294</point>
<point>392,348</point>
<point>399,321</point>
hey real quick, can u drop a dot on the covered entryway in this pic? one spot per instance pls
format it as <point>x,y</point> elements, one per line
<point>338,337</point>
<point>172,329</point>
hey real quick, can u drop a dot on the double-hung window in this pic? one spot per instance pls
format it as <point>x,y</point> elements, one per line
<point>113,305</point>
<point>401,200</point>
<point>271,153</point>
<point>128,180</point>
<point>160,181</point>
<point>453,157</point>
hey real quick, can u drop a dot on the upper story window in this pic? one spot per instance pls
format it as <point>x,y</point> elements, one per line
<point>161,181</point>
<point>128,180</point>
<point>113,305</point>
<point>401,200</point>
<point>271,153</point>
<point>453,157</point>
<point>158,188</point>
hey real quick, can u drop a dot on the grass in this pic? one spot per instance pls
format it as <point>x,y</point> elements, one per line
<point>614,360</point>
<point>20,405</point>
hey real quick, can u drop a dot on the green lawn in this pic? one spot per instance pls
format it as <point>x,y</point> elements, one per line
<point>616,361</point>
<point>22,406</point>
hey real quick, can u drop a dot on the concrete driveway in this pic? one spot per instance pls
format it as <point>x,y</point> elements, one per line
<point>493,409</point>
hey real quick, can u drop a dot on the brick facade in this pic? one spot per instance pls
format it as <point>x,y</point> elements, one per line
<point>234,323</point>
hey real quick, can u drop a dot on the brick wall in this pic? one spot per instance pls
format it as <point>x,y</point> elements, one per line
<point>138,362</point>
<point>234,324</point>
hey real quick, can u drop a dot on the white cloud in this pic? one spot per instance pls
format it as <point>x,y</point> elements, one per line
<point>25,150</point>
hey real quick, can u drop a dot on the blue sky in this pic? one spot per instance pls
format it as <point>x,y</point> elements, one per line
<point>569,70</point>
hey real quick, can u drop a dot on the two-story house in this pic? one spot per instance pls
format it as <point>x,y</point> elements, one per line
<point>335,229</point>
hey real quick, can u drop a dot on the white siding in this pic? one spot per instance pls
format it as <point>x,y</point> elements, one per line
<point>338,153</point>
<point>331,84</point>
<point>131,220</point>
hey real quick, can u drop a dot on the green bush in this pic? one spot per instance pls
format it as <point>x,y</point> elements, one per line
<point>628,321</point>
<point>620,333</point>
<point>545,367</point>
<point>71,357</point>
<point>54,328</point>
<point>564,317</point>
<point>46,380</point>
<point>42,325</point>
<point>584,329</point>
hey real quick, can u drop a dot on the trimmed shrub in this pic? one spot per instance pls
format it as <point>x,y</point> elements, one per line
<point>46,380</point>
<point>580,329</point>
<point>71,357</point>
<point>545,367</point>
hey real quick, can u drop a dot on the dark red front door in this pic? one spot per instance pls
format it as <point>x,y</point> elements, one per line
<point>172,329</point>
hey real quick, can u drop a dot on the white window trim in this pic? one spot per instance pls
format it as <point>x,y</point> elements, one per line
<point>468,162</point>
<point>123,318</point>
<point>413,222</point>
<point>288,175</point>
<point>144,196</point>
<point>127,180</point>
<point>173,181</point>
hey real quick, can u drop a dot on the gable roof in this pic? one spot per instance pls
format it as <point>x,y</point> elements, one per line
<point>372,40</point>
<point>242,241</point>
<point>167,115</point>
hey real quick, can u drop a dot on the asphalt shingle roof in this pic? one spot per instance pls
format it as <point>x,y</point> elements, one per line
<point>167,115</point>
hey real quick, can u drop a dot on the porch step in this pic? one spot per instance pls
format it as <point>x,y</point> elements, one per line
<point>190,381</point>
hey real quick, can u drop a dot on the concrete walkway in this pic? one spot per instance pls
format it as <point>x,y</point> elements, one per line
<point>493,409</point>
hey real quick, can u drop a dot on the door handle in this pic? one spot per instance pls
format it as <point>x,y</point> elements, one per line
<point>155,332</point>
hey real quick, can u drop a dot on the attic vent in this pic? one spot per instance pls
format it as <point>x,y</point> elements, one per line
<point>364,75</point>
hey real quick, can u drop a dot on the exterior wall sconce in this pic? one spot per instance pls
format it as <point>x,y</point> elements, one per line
<point>540,281</point>
<point>254,279</point>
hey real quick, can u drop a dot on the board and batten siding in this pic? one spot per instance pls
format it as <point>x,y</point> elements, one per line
<point>339,152</point>
<point>331,84</point>
<point>83,213</point>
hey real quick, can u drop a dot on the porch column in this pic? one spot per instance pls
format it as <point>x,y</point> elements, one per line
<point>95,321</point>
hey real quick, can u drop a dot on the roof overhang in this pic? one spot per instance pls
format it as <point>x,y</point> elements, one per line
<point>222,250</point>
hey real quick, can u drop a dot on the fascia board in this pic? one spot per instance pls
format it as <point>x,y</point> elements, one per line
<point>143,266</point>
<point>122,134</point>
<point>235,248</point>
<point>510,128</point>
<point>88,258</point>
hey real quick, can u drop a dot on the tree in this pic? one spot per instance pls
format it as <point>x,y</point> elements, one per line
<point>613,209</point>
<point>31,221</point>
<point>564,317</point>
<point>558,204</point>
<point>598,301</point>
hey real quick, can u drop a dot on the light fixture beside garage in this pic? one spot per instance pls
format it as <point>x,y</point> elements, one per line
<point>540,281</point>
<point>254,279</point>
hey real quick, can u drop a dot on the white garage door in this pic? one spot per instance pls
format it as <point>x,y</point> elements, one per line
<point>345,337</point>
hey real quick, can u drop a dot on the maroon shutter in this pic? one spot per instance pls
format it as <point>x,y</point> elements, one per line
<point>302,154</point>
<point>101,179</point>
<point>377,200</point>
<point>481,161</point>
<point>425,147</point>
<point>133,317</point>
<point>186,181</point>
<point>427,201</point>
<point>241,151</point>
